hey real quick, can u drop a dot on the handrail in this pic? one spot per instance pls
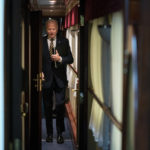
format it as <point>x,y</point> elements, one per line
<point>107,110</point>
<point>75,30</point>
<point>73,69</point>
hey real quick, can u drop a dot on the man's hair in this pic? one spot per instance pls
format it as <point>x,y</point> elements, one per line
<point>52,21</point>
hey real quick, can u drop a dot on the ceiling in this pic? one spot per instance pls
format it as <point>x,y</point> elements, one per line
<point>49,7</point>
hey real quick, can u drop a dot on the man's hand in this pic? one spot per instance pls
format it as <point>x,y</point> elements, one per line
<point>56,57</point>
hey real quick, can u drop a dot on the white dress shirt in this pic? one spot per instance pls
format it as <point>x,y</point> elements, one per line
<point>49,43</point>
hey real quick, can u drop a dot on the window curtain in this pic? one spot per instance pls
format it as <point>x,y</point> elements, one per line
<point>72,35</point>
<point>66,22</point>
<point>76,51</point>
<point>71,18</point>
<point>69,71</point>
<point>95,81</point>
<point>74,16</point>
<point>117,76</point>
<point>106,79</point>
<point>105,33</point>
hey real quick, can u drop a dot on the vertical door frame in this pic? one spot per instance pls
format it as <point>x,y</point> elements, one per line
<point>142,104</point>
<point>83,84</point>
<point>36,69</point>
<point>125,76</point>
<point>13,74</point>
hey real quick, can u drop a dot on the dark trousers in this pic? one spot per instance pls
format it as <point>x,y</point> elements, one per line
<point>60,108</point>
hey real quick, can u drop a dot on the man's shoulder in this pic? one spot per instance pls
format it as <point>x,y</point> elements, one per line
<point>44,36</point>
<point>62,39</point>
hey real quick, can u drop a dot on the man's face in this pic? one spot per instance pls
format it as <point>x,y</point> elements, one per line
<point>51,30</point>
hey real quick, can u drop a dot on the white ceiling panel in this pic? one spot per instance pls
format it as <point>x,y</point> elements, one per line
<point>49,6</point>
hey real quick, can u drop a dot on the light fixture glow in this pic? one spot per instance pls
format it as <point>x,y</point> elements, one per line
<point>46,2</point>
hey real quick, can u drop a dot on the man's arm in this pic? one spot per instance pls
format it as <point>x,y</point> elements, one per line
<point>68,59</point>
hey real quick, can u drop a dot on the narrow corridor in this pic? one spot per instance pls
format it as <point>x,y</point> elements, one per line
<point>68,142</point>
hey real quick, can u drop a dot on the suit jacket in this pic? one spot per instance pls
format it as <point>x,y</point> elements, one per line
<point>50,72</point>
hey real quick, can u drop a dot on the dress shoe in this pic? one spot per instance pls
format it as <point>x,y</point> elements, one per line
<point>60,139</point>
<point>49,138</point>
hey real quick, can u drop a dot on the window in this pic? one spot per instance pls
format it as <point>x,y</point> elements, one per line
<point>2,75</point>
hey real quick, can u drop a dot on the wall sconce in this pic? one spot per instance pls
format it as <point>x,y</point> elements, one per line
<point>104,30</point>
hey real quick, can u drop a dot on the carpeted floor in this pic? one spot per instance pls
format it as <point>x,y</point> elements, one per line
<point>68,143</point>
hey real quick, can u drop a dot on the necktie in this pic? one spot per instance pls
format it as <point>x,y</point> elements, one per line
<point>51,47</point>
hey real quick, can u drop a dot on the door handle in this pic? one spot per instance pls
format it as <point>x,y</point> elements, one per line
<point>24,105</point>
<point>36,84</point>
<point>38,81</point>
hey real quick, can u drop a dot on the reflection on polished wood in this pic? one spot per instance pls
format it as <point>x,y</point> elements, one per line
<point>73,121</point>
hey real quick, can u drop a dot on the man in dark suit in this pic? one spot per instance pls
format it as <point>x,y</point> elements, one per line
<point>56,56</point>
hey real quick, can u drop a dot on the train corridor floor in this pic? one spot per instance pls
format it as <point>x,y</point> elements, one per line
<point>68,143</point>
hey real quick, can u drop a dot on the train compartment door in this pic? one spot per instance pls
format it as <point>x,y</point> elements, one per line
<point>36,79</point>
